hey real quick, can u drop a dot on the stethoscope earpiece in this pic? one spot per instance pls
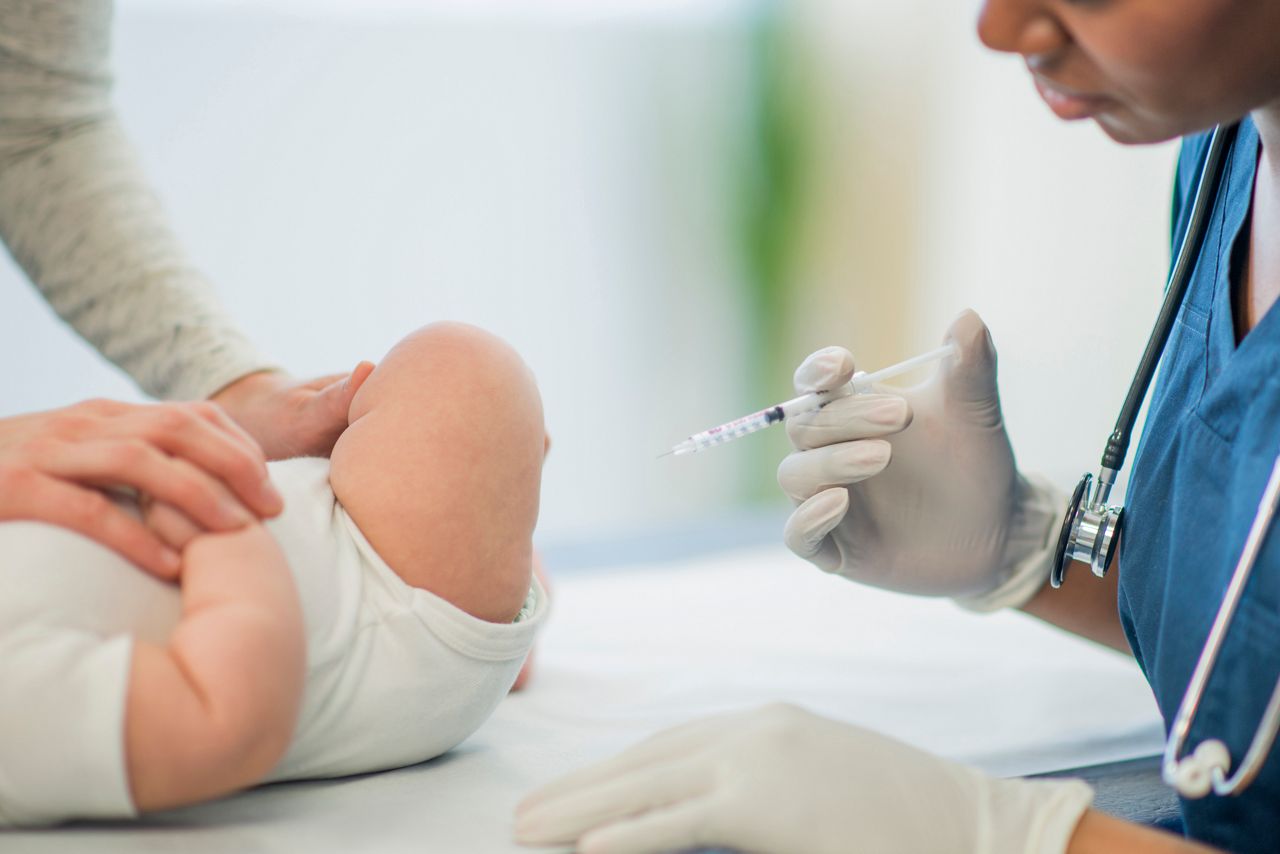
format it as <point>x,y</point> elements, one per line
<point>1196,773</point>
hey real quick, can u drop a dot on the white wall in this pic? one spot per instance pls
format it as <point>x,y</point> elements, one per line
<point>557,173</point>
<point>565,173</point>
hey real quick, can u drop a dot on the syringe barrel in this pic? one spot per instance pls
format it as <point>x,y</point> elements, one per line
<point>738,428</point>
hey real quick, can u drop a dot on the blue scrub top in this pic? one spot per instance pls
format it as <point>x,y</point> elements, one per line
<point>1211,437</point>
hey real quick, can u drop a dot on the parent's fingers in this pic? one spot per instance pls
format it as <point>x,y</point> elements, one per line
<point>858,416</point>
<point>170,524</point>
<point>204,435</point>
<point>88,512</point>
<point>139,466</point>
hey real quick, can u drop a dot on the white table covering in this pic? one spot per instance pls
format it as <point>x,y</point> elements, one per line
<point>633,650</point>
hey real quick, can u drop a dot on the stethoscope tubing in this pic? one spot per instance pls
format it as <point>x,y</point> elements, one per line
<point>1205,768</point>
<point>1265,734</point>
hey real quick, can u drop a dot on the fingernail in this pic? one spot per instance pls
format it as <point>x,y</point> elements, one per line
<point>235,514</point>
<point>820,368</point>
<point>271,494</point>
<point>888,413</point>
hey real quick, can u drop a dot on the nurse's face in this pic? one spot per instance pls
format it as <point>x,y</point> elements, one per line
<point>1144,70</point>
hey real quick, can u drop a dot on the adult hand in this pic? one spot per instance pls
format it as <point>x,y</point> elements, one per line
<point>59,467</point>
<point>292,418</point>
<point>781,780</point>
<point>950,515</point>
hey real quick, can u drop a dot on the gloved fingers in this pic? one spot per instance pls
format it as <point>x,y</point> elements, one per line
<point>807,532</point>
<point>804,474</point>
<point>859,416</point>
<point>824,370</point>
<point>565,819</point>
<point>970,376</point>
<point>675,828</point>
<point>664,747</point>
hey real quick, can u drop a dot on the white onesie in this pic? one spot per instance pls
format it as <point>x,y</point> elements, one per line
<point>395,675</point>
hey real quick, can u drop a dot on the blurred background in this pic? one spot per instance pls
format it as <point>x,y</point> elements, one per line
<point>663,204</point>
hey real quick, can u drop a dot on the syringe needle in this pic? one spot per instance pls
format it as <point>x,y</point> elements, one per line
<point>860,383</point>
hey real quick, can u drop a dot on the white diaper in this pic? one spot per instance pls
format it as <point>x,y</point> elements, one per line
<point>395,675</point>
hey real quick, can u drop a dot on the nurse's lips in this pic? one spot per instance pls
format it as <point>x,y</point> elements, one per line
<point>1065,103</point>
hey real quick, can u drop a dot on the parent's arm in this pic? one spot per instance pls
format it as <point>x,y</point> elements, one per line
<point>78,216</point>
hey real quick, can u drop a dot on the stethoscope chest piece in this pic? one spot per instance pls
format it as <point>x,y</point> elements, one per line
<point>1090,530</point>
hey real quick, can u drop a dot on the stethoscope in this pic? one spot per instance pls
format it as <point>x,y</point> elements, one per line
<point>1091,528</point>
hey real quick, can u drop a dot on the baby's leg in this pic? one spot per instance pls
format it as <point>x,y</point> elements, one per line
<point>214,710</point>
<point>442,466</point>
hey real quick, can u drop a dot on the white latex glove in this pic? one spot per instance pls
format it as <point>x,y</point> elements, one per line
<point>916,490</point>
<point>780,780</point>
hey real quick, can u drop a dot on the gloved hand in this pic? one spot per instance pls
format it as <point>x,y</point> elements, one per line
<point>780,780</point>
<point>916,490</point>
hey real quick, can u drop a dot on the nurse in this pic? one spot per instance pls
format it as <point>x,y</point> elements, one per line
<point>920,493</point>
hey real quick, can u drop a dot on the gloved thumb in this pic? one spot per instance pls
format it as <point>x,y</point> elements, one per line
<point>970,376</point>
<point>824,370</point>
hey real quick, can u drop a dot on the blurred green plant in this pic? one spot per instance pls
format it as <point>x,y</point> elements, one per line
<point>768,224</point>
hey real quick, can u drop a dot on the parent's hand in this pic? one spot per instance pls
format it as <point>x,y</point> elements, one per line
<point>781,780</point>
<point>289,417</point>
<point>60,466</point>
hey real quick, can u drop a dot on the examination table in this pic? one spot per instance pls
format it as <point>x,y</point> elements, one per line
<point>693,626</point>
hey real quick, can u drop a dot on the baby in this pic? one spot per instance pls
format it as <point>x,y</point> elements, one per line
<point>376,623</point>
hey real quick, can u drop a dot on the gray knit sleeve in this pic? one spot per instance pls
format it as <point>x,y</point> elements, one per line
<point>78,216</point>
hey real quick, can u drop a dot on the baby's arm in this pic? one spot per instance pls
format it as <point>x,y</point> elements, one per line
<point>442,465</point>
<point>214,710</point>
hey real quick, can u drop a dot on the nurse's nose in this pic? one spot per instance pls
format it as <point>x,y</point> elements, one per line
<point>1026,27</point>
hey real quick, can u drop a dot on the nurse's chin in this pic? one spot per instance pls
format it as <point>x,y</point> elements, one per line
<point>1126,129</point>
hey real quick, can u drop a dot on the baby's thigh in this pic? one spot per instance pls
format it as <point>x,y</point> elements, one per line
<point>441,467</point>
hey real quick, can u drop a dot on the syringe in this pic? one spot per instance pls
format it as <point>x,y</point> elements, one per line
<point>862,382</point>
